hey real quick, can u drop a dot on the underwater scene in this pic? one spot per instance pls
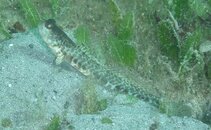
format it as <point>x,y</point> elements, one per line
<point>105,65</point>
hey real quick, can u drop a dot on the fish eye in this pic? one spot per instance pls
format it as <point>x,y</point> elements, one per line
<point>50,23</point>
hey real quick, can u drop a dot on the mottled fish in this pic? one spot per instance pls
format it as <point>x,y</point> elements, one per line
<point>66,50</point>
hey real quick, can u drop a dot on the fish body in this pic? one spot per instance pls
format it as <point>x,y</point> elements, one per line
<point>66,50</point>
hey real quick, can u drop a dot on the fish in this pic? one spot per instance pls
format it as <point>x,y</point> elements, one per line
<point>66,50</point>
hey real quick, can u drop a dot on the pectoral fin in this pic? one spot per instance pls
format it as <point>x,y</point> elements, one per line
<point>59,59</point>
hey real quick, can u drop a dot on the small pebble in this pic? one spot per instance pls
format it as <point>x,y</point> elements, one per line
<point>10,85</point>
<point>31,46</point>
<point>11,45</point>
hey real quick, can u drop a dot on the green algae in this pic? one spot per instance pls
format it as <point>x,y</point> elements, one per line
<point>6,123</point>
<point>55,124</point>
<point>31,13</point>
<point>106,120</point>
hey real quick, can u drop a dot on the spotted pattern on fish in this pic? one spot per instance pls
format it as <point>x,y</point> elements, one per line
<point>66,50</point>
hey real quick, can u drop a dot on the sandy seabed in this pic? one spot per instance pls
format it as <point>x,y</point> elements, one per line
<point>33,89</point>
